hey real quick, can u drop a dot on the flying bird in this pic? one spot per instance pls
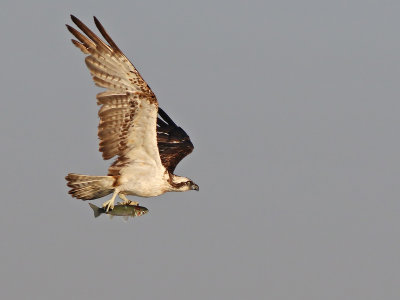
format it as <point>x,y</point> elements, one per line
<point>146,142</point>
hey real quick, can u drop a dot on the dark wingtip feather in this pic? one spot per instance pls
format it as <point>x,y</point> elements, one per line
<point>98,24</point>
<point>90,34</point>
<point>70,29</point>
<point>75,32</point>
<point>166,118</point>
<point>82,47</point>
<point>73,18</point>
<point>105,34</point>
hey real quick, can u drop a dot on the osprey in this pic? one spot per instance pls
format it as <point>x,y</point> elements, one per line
<point>147,143</point>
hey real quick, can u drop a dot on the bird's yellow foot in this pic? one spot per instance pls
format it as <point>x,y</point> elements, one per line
<point>127,201</point>
<point>108,205</point>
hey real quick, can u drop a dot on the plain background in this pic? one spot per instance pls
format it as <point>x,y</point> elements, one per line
<point>293,107</point>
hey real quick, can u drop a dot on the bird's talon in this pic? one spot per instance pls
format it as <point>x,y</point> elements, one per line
<point>108,205</point>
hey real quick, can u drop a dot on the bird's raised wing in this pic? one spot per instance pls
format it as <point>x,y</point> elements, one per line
<point>173,142</point>
<point>128,113</point>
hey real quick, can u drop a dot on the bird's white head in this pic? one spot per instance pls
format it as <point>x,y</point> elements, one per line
<point>182,184</point>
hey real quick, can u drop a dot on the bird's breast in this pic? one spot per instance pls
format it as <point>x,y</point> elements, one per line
<point>142,180</point>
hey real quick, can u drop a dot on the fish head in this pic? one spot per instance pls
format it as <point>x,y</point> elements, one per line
<point>140,211</point>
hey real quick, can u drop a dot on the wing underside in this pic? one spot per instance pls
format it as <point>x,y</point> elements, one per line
<point>128,113</point>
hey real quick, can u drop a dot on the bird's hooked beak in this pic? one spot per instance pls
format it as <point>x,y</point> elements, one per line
<point>194,187</point>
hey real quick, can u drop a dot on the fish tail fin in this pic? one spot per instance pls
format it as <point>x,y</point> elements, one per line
<point>87,187</point>
<point>96,210</point>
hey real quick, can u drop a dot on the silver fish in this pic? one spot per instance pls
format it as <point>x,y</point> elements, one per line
<point>124,210</point>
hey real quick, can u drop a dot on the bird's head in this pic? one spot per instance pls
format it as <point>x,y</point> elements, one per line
<point>193,186</point>
<point>181,184</point>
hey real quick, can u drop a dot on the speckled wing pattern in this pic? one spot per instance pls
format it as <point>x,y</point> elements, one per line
<point>128,113</point>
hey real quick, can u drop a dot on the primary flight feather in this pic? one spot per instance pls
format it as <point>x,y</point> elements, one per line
<point>147,143</point>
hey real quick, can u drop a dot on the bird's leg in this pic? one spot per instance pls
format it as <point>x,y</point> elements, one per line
<point>110,203</point>
<point>127,201</point>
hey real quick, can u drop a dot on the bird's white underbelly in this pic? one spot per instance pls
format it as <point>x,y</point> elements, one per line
<point>143,180</point>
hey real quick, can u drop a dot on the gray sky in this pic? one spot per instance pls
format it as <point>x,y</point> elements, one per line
<point>293,107</point>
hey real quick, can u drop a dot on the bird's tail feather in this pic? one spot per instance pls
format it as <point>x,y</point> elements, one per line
<point>87,187</point>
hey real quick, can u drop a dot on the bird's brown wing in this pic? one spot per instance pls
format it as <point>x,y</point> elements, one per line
<point>173,142</point>
<point>128,113</point>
